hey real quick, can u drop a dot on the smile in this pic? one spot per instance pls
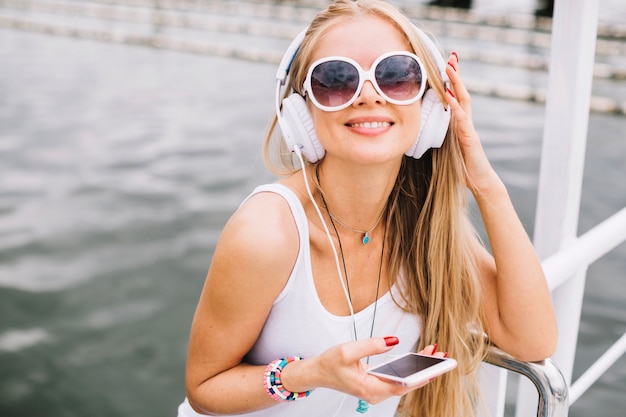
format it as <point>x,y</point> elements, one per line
<point>370,125</point>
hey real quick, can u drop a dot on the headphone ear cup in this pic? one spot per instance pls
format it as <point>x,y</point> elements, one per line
<point>298,129</point>
<point>434,125</point>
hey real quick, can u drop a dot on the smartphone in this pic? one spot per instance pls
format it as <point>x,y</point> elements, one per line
<point>412,368</point>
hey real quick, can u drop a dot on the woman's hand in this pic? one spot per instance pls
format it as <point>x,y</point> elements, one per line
<point>431,350</point>
<point>343,368</point>
<point>479,170</point>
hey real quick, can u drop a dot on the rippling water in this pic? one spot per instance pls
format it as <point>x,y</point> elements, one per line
<point>118,167</point>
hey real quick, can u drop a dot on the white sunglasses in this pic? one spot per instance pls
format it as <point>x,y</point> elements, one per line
<point>333,83</point>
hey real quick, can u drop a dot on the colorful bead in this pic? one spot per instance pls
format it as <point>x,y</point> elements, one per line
<point>273,385</point>
<point>362,407</point>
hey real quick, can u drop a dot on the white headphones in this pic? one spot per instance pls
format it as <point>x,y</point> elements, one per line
<point>297,125</point>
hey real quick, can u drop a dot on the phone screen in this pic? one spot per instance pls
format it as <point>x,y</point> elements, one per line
<point>408,365</point>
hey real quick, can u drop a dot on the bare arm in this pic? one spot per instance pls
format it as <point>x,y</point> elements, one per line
<point>244,279</point>
<point>517,303</point>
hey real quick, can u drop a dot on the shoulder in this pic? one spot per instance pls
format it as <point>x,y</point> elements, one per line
<point>266,214</point>
<point>262,233</point>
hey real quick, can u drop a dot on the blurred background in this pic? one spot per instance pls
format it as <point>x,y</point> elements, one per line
<point>131,130</point>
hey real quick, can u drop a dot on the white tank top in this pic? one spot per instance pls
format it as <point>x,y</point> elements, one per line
<point>299,325</point>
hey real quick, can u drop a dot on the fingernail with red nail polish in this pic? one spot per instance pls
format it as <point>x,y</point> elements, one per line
<point>445,354</point>
<point>452,66</point>
<point>450,92</point>
<point>434,349</point>
<point>391,340</point>
<point>456,55</point>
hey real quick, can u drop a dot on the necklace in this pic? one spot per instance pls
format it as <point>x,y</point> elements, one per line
<point>366,233</point>
<point>363,405</point>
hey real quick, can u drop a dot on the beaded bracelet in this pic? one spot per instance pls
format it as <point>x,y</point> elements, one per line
<point>273,385</point>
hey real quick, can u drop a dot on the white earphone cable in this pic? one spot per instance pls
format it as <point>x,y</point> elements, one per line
<point>296,149</point>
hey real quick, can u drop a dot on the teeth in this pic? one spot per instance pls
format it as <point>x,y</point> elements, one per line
<point>371,125</point>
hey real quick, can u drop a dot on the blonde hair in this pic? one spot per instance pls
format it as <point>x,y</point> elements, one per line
<point>428,232</point>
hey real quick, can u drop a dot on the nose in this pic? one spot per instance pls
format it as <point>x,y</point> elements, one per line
<point>369,95</point>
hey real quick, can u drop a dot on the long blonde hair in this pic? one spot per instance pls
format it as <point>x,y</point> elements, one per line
<point>428,233</point>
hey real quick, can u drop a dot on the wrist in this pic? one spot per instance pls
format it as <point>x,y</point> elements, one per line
<point>489,186</point>
<point>300,376</point>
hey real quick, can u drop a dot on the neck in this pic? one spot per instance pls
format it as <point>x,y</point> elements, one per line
<point>356,195</point>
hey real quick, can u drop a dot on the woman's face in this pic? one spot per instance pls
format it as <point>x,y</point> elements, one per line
<point>370,130</point>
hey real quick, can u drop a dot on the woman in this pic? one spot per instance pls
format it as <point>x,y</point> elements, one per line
<point>378,257</point>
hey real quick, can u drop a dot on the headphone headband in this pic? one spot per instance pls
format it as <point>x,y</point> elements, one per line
<point>288,57</point>
<point>294,47</point>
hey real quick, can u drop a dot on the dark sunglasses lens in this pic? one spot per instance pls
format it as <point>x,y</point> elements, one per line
<point>399,77</point>
<point>333,83</point>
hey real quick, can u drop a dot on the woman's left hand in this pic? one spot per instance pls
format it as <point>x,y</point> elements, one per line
<point>479,170</point>
<point>431,350</point>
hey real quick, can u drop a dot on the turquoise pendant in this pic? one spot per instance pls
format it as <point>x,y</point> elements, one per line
<point>363,407</point>
<point>366,238</point>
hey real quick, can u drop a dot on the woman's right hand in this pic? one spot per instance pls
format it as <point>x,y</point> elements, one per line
<point>343,368</point>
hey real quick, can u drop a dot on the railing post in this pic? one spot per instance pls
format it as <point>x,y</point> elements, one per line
<point>574,30</point>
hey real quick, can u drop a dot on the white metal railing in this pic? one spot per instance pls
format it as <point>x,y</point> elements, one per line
<point>559,268</point>
<point>567,257</point>
<point>548,381</point>
<point>545,376</point>
<point>578,255</point>
<point>596,370</point>
<point>586,249</point>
